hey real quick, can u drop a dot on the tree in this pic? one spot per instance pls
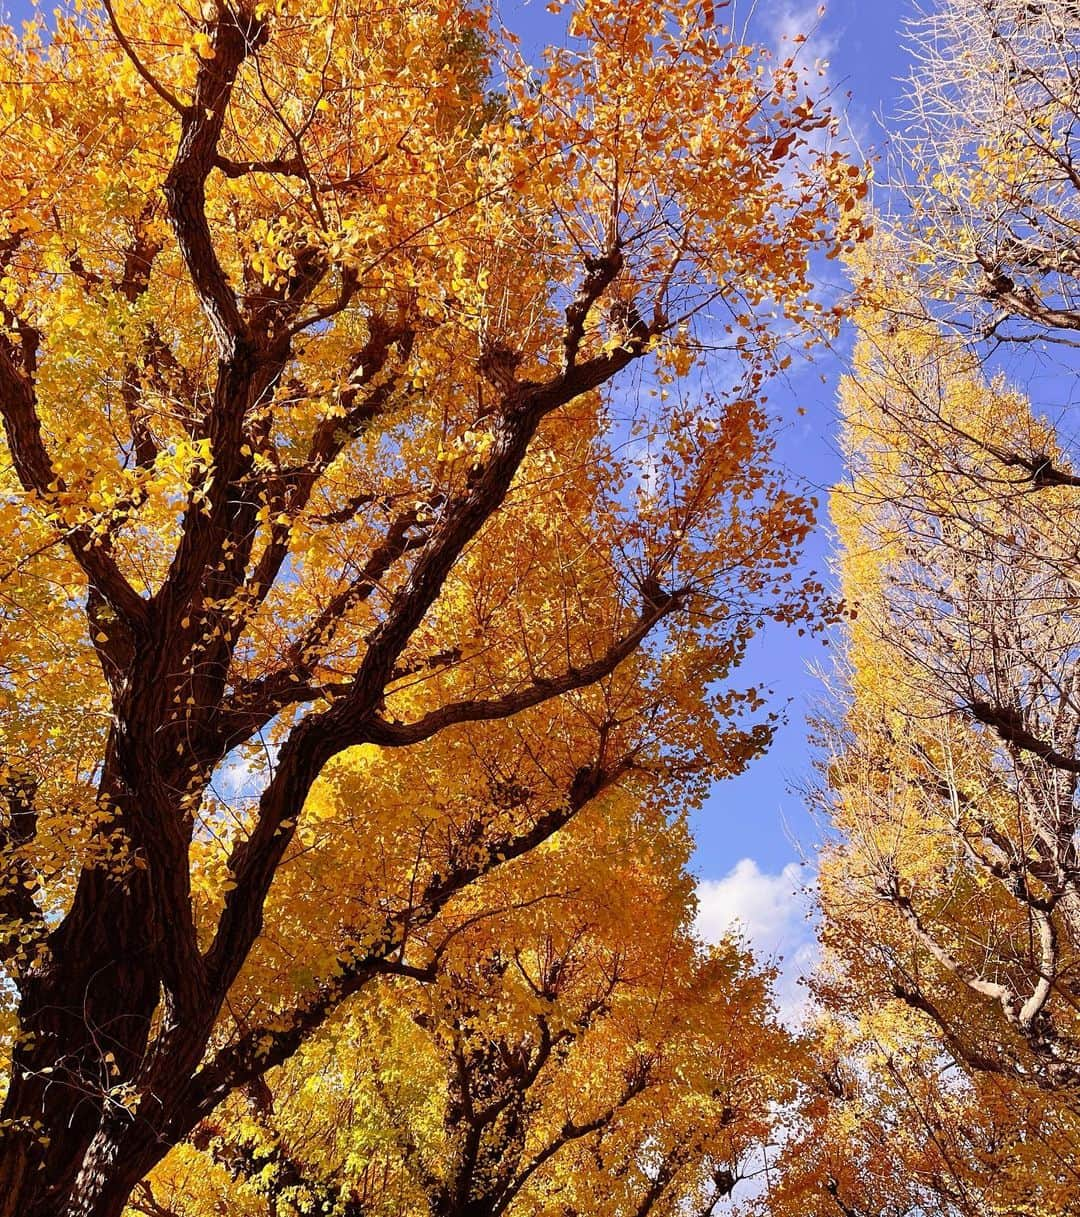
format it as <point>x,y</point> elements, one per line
<point>577,1053</point>
<point>304,340</point>
<point>950,893</point>
<point>987,160</point>
<point>887,1127</point>
<point>948,1059</point>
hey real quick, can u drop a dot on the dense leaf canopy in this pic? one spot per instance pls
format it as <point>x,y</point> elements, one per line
<point>385,482</point>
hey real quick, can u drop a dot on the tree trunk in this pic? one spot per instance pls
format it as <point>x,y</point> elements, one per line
<point>94,1181</point>
<point>85,1015</point>
<point>16,1170</point>
<point>110,1171</point>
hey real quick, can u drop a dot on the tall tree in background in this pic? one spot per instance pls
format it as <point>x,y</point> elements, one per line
<point>951,894</point>
<point>947,1079</point>
<point>304,451</point>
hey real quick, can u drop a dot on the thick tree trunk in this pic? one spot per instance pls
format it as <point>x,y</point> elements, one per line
<point>110,1171</point>
<point>84,1016</point>
<point>16,1170</point>
<point>81,1133</point>
<point>106,1177</point>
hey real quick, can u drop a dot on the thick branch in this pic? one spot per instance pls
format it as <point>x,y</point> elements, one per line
<point>350,721</point>
<point>1048,967</point>
<point>236,33</point>
<point>1025,301</point>
<point>1040,468</point>
<point>969,1055</point>
<point>600,273</point>
<point>999,993</point>
<point>262,1049</point>
<point>1010,726</point>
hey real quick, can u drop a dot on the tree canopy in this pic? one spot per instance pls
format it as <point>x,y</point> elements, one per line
<point>946,1077</point>
<point>369,518</point>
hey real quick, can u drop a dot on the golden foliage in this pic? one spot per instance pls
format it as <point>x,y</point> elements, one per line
<point>338,574</point>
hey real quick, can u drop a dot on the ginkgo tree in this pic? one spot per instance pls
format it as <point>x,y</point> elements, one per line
<point>948,1049</point>
<point>951,892</point>
<point>309,315</point>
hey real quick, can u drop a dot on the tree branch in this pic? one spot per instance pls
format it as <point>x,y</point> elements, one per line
<point>1010,726</point>
<point>22,428</point>
<point>137,63</point>
<point>955,967</point>
<point>396,735</point>
<point>600,273</point>
<point>570,1132</point>
<point>263,1048</point>
<point>22,924</point>
<point>236,33</point>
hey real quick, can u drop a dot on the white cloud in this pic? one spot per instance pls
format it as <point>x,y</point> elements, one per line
<point>803,21</point>
<point>774,912</point>
<point>766,907</point>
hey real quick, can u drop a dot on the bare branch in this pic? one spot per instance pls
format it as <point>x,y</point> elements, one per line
<point>140,67</point>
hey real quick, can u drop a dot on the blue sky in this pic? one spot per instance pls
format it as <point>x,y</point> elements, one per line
<point>754,830</point>
<point>757,816</point>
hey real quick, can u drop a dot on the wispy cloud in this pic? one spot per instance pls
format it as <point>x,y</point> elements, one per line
<point>806,22</point>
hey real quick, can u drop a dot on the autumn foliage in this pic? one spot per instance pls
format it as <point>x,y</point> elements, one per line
<point>947,1045</point>
<point>367,522</point>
